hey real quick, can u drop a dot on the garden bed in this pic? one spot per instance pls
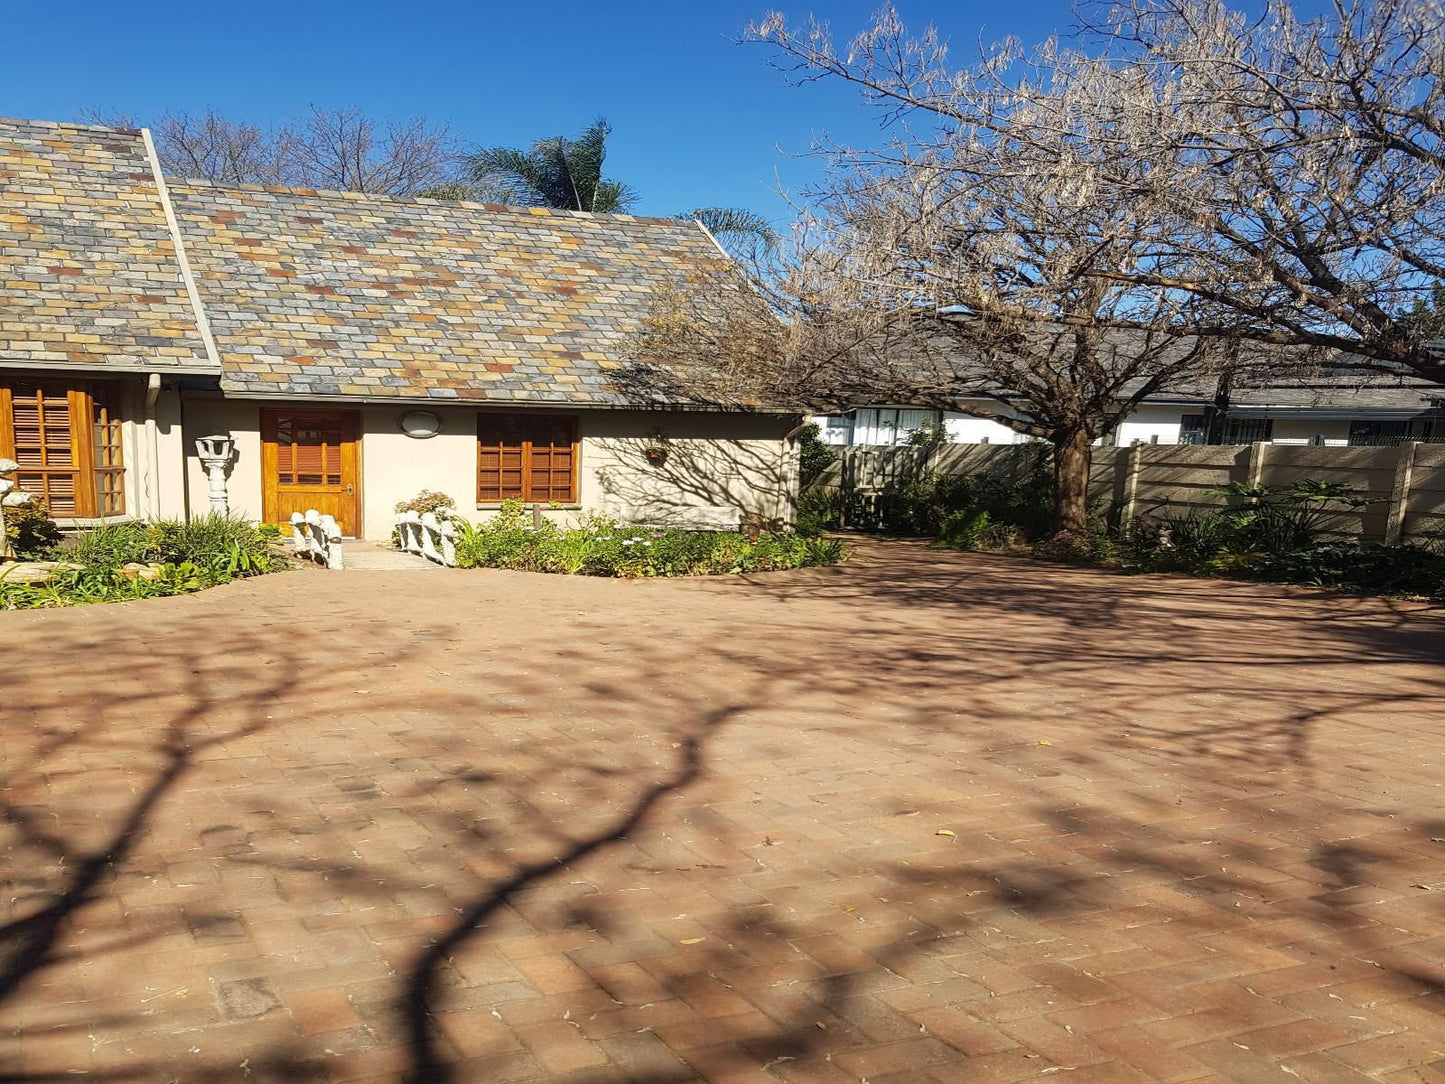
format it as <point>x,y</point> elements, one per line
<point>128,561</point>
<point>1261,533</point>
<point>599,546</point>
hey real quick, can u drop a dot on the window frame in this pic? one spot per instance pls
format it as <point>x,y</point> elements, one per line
<point>528,495</point>
<point>90,406</point>
<point>1194,428</point>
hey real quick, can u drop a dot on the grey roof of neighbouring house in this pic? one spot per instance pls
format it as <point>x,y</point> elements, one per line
<point>1333,391</point>
<point>1264,378</point>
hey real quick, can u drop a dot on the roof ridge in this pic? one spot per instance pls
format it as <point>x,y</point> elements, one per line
<point>353,196</point>
<point>427,201</point>
<point>74,124</point>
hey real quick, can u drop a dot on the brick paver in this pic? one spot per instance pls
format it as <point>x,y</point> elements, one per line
<point>921,817</point>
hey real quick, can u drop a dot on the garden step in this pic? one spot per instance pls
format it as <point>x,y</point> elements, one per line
<point>369,557</point>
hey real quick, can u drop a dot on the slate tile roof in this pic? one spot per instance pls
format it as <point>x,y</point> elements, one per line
<point>320,293</point>
<point>88,272</point>
<point>337,293</point>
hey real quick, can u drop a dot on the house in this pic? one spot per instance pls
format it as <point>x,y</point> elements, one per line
<point>351,349</point>
<point>1336,411</point>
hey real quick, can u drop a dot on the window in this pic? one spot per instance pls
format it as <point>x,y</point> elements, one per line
<point>1192,430</point>
<point>529,457</point>
<point>836,429</point>
<point>1379,433</point>
<point>109,469</point>
<point>309,447</point>
<point>67,440</point>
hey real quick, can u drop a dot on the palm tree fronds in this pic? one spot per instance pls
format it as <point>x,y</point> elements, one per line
<point>614,197</point>
<point>454,190</point>
<point>739,231</point>
<point>556,172</point>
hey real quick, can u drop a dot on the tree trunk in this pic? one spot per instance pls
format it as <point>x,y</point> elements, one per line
<point>1073,452</point>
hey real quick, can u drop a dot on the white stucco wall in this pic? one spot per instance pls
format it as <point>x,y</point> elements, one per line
<point>208,416</point>
<point>1335,431</point>
<point>713,459</point>
<point>1152,425</point>
<point>170,482</point>
<point>1149,424</point>
<point>967,429</point>
<point>723,460</point>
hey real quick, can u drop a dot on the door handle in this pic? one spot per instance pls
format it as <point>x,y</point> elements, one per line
<point>350,489</point>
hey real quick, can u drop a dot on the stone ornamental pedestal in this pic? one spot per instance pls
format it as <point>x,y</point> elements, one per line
<point>9,495</point>
<point>215,452</point>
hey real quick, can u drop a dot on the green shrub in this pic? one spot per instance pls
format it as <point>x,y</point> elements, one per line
<point>963,529</point>
<point>1359,566</point>
<point>818,511</point>
<point>31,531</point>
<point>205,552</point>
<point>1275,535</point>
<point>112,545</point>
<point>427,501</point>
<point>929,433</point>
<point>1259,523</point>
<point>210,541</point>
<point>814,457</point>
<point>1021,496</point>
<point>599,547</point>
<point>82,586</point>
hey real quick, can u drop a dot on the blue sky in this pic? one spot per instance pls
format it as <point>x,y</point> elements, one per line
<point>697,119</point>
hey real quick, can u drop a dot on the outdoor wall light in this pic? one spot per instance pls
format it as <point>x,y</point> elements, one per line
<point>421,424</point>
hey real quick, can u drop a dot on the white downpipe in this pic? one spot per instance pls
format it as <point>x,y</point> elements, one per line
<point>153,440</point>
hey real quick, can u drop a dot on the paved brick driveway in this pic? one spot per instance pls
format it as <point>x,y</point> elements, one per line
<point>922,817</point>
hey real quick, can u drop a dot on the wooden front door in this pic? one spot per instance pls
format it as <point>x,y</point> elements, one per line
<point>309,460</point>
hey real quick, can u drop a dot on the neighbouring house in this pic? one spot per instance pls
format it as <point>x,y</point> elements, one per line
<point>354,349</point>
<point>1334,412</point>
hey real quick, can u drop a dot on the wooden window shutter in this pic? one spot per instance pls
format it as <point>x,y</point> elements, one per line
<point>68,446</point>
<point>107,455</point>
<point>44,441</point>
<point>527,457</point>
<point>7,431</point>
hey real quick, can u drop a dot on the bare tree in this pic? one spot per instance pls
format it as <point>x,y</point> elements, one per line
<point>329,148</point>
<point>986,261</point>
<point>1318,217</point>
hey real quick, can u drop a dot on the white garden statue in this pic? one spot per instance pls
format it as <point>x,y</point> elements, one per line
<point>424,534</point>
<point>317,537</point>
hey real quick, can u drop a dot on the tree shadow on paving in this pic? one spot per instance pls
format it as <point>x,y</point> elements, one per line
<point>1192,668</point>
<point>914,573</point>
<point>65,873</point>
<point>718,821</point>
<point>100,740</point>
<point>422,993</point>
